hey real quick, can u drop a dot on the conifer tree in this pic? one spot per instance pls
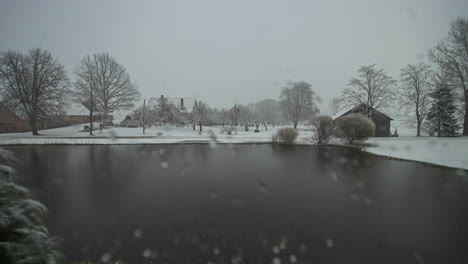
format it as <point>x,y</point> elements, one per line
<point>441,114</point>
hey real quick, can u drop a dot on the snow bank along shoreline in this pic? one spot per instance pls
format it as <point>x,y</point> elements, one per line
<point>445,152</point>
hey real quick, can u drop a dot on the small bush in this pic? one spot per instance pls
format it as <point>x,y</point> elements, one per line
<point>287,135</point>
<point>323,129</point>
<point>354,128</point>
<point>227,130</point>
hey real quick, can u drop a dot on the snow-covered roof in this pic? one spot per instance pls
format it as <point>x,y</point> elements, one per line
<point>188,103</point>
<point>341,113</point>
<point>352,109</point>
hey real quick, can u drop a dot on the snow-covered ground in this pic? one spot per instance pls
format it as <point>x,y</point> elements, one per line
<point>154,135</point>
<point>452,152</point>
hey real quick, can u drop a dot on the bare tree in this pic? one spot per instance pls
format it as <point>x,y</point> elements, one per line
<point>165,111</point>
<point>35,82</point>
<point>255,115</point>
<point>335,105</point>
<point>372,87</point>
<point>415,86</point>
<point>245,116</point>
<point>451,55</point>
<point>297,101</point>
<point>199,112</point>
<point>269,112</point>
<point>144,115</point>
<point>224,116</point>
<point>234,115</point>
<point>323,129</point>
<point>115,90</point>
<point>85,85</point>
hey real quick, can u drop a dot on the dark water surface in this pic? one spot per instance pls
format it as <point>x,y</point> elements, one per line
<point>247,204</point>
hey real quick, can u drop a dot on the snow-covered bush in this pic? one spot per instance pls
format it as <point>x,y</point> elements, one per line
<point>23,236</point>
<point>354,128</point>
<point>323,129</point>
<point>287,135</point>
<point>228,130</point>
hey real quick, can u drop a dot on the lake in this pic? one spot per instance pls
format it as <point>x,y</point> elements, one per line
<point>246,203</point>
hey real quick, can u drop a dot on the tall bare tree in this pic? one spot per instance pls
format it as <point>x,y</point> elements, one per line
<point>269,111</point>
<point>415,86</point>
<point>451,55</point>
<point>36,82</point>
<point>335,105</point>
<point>297,102</point>
<point>145,116</point>
<point>372,87</point>
<point>85,85</point>
<point>165,111</point>
<point>199,112</point>
<point>235,115</point>
<point>115,91</point>
<point>223,116</point>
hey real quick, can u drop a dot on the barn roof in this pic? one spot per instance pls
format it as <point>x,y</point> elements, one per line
<point>358,107</point>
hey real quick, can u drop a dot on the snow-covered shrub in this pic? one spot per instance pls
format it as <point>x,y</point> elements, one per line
<point>23,236</point>
<point>354,128</point>
<point>287,135</point>
<point>323,129</point>
<point>228,130</point>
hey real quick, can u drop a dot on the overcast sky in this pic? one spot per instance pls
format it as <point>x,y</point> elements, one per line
<point>227,52</point>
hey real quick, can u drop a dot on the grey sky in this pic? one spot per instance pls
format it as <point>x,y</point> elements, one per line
<point>227,52</point>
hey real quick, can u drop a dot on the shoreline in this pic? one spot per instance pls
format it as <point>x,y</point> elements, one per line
<point>208,142</point>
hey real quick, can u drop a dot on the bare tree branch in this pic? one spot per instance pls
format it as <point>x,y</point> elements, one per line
<point>451,55</point>
<point>414,92</point>
<point>35,82</point>
<point>297,102</point>
<point>372,87</point>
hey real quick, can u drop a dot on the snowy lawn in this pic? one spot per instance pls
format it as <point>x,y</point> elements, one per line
<point>452,152</point>
<point>154,135</point>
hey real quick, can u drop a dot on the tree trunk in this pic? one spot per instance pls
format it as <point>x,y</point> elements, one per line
<point>264,124</point>
<point>100,122</point>
<point>418,129</point>
<point>418,121</point>
<point>200,127</point>
<point>295,125</point>
<point>34,127</point>
<point>465,120</point>
<point>91,122</point>
<point>438,127</point>
<point>144,128</point>
<point>193,126</point>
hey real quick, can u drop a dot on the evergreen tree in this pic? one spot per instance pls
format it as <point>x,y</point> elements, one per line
<point>23,235</point>
<point>441,116</point>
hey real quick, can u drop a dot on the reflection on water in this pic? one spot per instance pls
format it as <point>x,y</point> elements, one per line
<point>247,203</point>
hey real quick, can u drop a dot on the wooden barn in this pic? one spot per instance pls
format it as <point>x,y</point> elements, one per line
<point>381,120</point>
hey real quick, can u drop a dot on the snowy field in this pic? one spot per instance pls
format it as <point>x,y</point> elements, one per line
<point>154,135</point>
<point>452,152</point>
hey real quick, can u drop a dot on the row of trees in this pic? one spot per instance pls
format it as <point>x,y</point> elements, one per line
<point>296,104</point>
<point>36,86</point>
<point>433,94</point>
